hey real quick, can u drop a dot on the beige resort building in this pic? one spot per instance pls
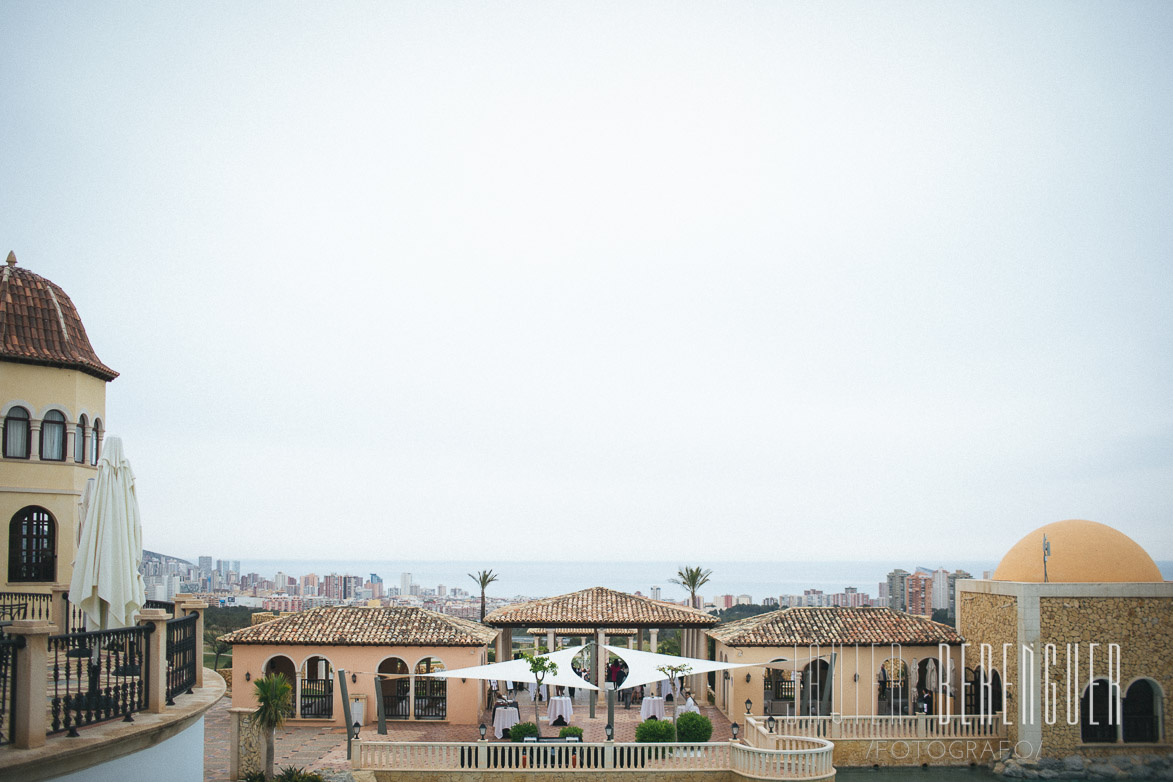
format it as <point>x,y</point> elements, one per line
<point>1079,643</point>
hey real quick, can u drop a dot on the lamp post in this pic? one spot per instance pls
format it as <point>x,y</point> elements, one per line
<point>748,706</point>
<point>770,723</point>
<point>483,730</point>
<point>609,729</point>
<point>735,728</point>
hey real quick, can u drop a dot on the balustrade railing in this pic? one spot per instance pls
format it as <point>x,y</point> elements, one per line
<point>26,605</point>
<point>181,656</point>
<point>166,605</point>
<point>876,727</point>
<point>807,759</point>
<point>8,649</point>
<point>96,676</point>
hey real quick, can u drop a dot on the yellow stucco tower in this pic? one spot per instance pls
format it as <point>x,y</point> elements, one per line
<point>53,409</point>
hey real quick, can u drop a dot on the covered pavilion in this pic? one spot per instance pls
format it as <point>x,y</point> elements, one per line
<point>598,612</point>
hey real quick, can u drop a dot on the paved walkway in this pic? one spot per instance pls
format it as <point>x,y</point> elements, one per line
<point>324,748</point>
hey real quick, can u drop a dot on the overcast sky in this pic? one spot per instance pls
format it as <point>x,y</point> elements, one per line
<point>658,281</point>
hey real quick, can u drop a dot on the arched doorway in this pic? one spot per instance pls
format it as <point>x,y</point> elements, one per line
<point>928,679</point>
<point>816,688</point>
<point>317,689</point>
<point>431,694</point>
<point>396,692</point>
<point>1142,713</point>
<point>892,688</point>
<point>1095,710</point>
<point>779,696</point>
<point>284,666</point>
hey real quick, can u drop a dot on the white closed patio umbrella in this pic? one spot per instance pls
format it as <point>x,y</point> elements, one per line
<point>106,583</point>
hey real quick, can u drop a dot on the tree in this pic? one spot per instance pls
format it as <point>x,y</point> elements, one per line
<point>274,696</point>
<point>692,579</point>
<point>212,643</point>
<point>483,578</point>
<point>674,672</point>
<point>539,666</point>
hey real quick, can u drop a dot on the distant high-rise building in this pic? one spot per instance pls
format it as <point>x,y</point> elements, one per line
<point>405,584</point>
<point>723,601</point>
<point>953,578</point>
<point>205,565</point>
<point>376,579</point>
<point>744,600</point>
<point>655,593</point>
<point>940,589</point>
<point>441,591</point>
<point>236,566</point>
<point>919,593</point>
<point>896,589</point>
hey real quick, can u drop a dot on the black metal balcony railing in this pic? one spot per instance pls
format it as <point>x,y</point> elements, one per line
<point>181,656</point>
<point>98,676</point>
<point>25,605</point>
<point>317,698</point>
<point>396,702</point>
<point>164,604</point>
<point>431,699</point>
<point>8,647</point>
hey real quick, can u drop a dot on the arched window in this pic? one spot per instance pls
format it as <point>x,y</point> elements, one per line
<point>395,689</point>
<point>1142,713</point>
<point>95,441</point>
<point>16,434</point>
<point>284,666</point>
<point>317,689</point>
<point>53,437</point>
<point>816,688</point>
<point>32,545</point>
<point>778,698</point>
<point>79,441</point>
<point>1095,714</point>
<point>431,694</point>
<point>892,687</point>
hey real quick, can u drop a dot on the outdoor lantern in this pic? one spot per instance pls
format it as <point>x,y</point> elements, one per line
<point>748,705</point>
<point>770,722</point>
<point>726,675</point>
<point>735,727</point>
<point>354,678</point>
<point>248,676</point>
<point>482,729</point>
<point>357,728</point>
<point>610,730</point>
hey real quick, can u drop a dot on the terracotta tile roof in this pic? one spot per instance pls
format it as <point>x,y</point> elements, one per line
<point>40,325</point>
<point>598,606</point>
<point>804,626</point>
<point>562,631</point>
<point>365,626</point>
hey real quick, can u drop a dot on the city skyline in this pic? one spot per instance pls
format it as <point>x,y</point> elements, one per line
<point>417,280</point>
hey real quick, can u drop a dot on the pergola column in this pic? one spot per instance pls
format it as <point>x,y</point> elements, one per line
<point>600,660</point>
<point>550,640</point>
<point>654,639</point>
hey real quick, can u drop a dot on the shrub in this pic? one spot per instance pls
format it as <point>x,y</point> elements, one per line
<point>254,776</point>
<point>521,730</point>
<point>691,726</point>
<point>570,730</point>
<point>295,774</point>
<point>655,732</point>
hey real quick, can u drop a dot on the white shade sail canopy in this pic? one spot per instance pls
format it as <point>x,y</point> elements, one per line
<point>644,667</point>
<point>106,583</point>
<point>518,671</point>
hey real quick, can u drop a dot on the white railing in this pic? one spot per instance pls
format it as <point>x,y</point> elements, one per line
<point>898,727</point>
<point>801,759</point>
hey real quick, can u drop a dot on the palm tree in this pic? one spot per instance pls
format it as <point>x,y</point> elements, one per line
<point>274,696</point>
<point>692,579</point>
<point>484,578</point>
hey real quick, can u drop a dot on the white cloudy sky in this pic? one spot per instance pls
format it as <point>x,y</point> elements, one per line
<point>669,280</point>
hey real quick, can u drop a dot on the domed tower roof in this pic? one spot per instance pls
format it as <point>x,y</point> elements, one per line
<point>1081,551</point>
<point>40,325</point>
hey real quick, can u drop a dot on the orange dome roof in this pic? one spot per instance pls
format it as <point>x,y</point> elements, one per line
<point>40,325</point>
<point>1082,551</point>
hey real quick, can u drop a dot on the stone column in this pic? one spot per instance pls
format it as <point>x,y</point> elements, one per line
<point>550,640</point>
<point>156,658</point>
<point>29,718</point>
<point>34,439</point>
<point>59,609</point>
<point>654,639</point>
<point>245,749</point>
<point>197,607</point>
<point>601,661</point>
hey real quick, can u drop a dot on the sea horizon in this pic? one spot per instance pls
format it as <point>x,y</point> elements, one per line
<point>528,578</point>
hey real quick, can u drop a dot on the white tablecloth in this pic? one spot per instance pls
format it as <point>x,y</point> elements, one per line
<point>689,705</point>
<point>560,707</point>
<point>652,707</point>
<point>533,691</point>
<point>505,717</point>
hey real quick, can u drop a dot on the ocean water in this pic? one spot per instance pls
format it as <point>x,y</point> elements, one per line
<point>542,579</point>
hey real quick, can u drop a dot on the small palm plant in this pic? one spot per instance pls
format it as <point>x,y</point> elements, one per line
<point>539,667</point>
<point>483,579</point>
<point>274,696</point>
<point>692,579</point>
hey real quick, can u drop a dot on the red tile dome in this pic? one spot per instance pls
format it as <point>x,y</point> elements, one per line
<point>40,325</point>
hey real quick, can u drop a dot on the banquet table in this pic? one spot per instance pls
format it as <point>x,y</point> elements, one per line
<point>504,717</point>
<point>652,706</point>
<point>560,706</point>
